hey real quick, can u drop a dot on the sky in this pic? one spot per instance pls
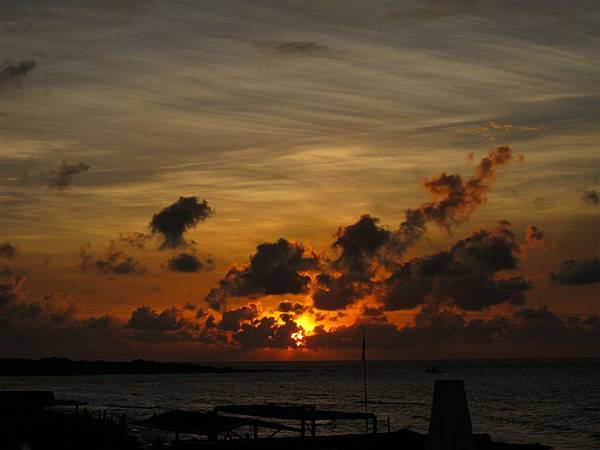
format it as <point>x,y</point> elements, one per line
<point>269,180</point>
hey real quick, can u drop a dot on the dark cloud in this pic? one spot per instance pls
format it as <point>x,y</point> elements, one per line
<point>54,328</point>
<point>289,307</point>
<point>135,239</point>
<point>476,294</point>
<point>436,328</point>
<point>54,325</point>
<point>300,48</point>
<point>363,248</point>
<point>266,332</point>
<point>174,220</point>
<point>404,291</point>
<point>128,266</point>
<point>10,290</point>
<point>217,297</point>
<point>573,272</point>
<point>533,235</point>
<point>431,327</point>
<point>475,273</point>
<point>15,72</point>
<point>6,271</point>
<point>331,292</point>
<point>591,197</point>
<point>469,274</point>
<point>366,251</point>
<point>535,239</point>
<point>61,177</point>
<point>541,324</point>
<point>200,313</point>
<point>168,325</point>
<point>7,250</point>
<point>243,328</point>
<point>454,199</point>
<point>276,268</point>
<point>114,262</point>
<point>48,322</point>
<point>146,318</point>
<point>369,311</point>
<point>233,318</point>
<point>359,244</point>
<point>186,262</point>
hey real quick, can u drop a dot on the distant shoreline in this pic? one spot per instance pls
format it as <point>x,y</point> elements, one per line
<point>67,367</point>
<point>54,366</point>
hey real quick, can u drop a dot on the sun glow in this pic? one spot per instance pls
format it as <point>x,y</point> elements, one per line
<point>306,322</point>
<point>298,338</point>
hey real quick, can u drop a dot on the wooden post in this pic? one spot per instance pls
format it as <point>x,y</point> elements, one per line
<point>389,425</point>
<point>303,428</point>
<point>313,430</point>
<point>364,360</point>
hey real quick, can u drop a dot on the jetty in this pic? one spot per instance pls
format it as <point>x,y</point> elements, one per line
<point>37,420</point>
<point>246,427</point>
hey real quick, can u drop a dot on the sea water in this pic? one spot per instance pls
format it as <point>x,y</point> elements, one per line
<point>554,402</point>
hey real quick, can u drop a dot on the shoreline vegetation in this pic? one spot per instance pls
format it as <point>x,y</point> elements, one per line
<point>68,367</point>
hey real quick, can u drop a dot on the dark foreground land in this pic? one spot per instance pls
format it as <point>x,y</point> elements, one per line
<point>58,431</point>
<point>40,429</point>
<point>36,420</point>
<point>63,366</point>
<point>397,440</point>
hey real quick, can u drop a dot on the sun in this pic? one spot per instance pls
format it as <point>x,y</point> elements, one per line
<point>299,339</point>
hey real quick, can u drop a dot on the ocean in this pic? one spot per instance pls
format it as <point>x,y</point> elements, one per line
<point>554,402</point>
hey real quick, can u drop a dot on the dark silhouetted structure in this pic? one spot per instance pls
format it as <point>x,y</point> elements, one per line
<point>35,420</point>
<point>209,424</point>
<point>450,425</point>
<point>307,415</point>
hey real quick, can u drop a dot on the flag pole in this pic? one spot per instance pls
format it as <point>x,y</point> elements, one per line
<point>364,360</point>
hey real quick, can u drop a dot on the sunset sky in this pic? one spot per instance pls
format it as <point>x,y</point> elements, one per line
<point>195,180</point>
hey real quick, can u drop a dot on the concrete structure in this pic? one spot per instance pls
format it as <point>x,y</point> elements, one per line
<point>450,425</point>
